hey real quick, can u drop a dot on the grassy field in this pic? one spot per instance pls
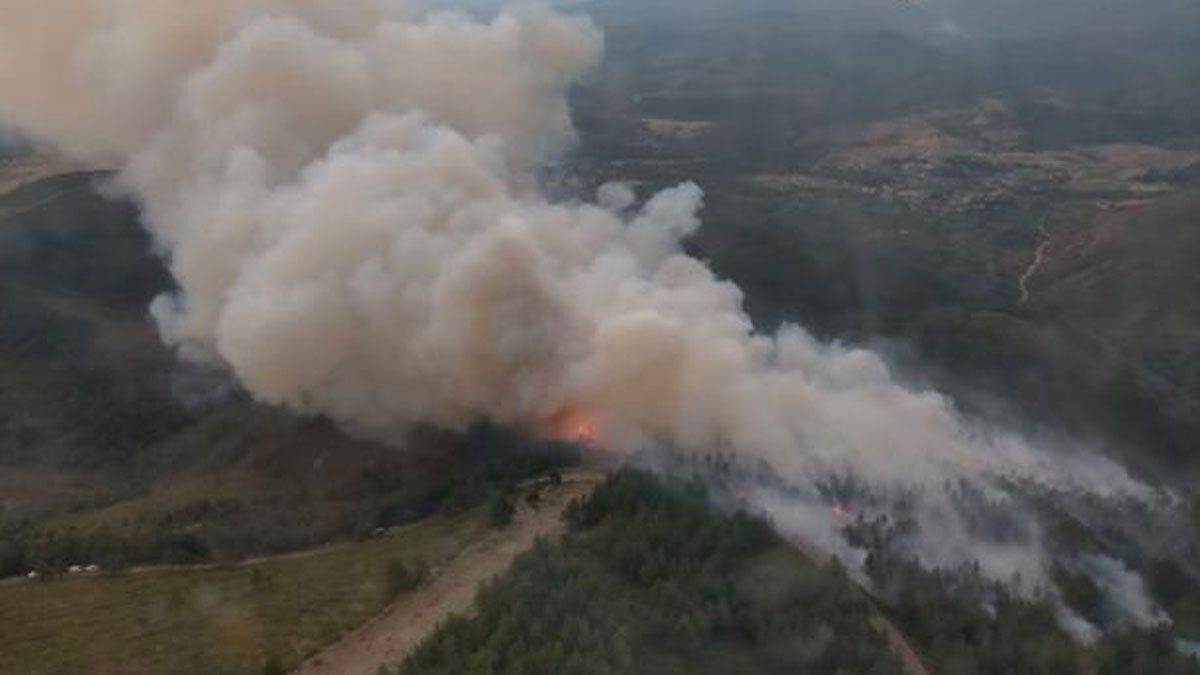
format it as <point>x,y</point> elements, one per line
<point>212,621</point>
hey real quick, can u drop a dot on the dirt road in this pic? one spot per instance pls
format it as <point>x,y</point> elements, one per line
<point>1039,257</point>
<point>901,648</point>
<point>390,637</point>
<point>16,173</point>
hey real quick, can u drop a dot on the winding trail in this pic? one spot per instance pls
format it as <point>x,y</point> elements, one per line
<point>1039,257</point>
<point>393,635</point>
<point>18,172</point>
<point>21,173</point>
<point>899,645</point>
<point>44,201</point>
<point>901,648</point>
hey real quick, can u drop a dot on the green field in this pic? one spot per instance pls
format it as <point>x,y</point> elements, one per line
<point>210,621</point>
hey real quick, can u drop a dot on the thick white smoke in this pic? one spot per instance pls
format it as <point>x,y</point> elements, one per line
<point>345,192</point>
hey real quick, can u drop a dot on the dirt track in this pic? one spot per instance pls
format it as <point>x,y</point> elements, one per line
<point>17,173</point>
<point>901,648</point>
<point>1039,257</point>
<point>390,637</point>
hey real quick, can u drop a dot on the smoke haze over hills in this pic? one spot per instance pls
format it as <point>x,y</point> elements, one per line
<point>346,193</point>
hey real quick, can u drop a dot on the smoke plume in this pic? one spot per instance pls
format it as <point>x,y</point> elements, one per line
<point>346,194</point>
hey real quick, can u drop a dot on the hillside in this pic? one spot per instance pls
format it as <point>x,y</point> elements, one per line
<point>120,454</point>
<point>1108,338</point>
<point>651,580</point>
<point>892,186</point>
<point>881,318</point>
<point>263,616</point>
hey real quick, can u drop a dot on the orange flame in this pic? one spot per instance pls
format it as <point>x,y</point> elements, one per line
<point>573,424</point>
<point>840,512</point>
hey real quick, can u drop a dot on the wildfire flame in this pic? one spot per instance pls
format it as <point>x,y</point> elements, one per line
<point>575,425</point>
<point>841,512</point>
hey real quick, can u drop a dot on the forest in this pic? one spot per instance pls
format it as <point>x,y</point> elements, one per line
<point>650,580</point>
<point>653,577</point>
<point>480,466</point>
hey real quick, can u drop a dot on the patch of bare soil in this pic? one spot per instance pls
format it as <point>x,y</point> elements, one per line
<point>390,637</point>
